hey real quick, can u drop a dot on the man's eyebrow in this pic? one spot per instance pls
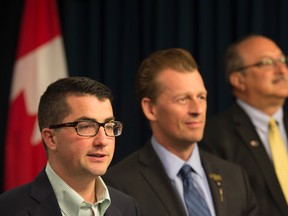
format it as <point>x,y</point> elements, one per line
<point>94,120</point>
<point>109,119</point>
<point>85,119</point>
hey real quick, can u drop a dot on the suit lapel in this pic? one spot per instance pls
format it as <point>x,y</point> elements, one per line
<point>247,132</point>
<point>215,182</point>
<point>158,180</point>
<point>112,211</point>
<point>286,121</point>
<point>42,192</point>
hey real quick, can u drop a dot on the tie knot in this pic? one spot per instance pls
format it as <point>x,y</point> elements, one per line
<point>272,123</point>
<point>185,171</point>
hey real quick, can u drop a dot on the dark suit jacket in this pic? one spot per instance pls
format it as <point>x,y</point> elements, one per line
<point>38,199</point>
<point>232,136</point>
<point>142,175</point>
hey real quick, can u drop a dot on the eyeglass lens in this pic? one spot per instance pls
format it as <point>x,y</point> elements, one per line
<point>87,128</point>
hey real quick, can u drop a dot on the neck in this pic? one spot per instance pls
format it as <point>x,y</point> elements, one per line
<point>87,191</point>
<point>84,185</point>
<point>269,107</point>
<point>182,151</point>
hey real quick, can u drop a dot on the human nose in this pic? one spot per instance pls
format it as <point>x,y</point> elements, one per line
<point>197,106</point>
<point>100,138</point>
<point>281,67</point>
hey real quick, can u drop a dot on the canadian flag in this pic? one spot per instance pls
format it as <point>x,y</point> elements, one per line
<point>40,61</point>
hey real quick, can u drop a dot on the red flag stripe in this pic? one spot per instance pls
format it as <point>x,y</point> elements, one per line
<point>37,27</point>
<point>40,61</point>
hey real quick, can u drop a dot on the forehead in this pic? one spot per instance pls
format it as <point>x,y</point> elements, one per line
<point>90,106</point>
<point>175,81</point>
<point>257,47</point>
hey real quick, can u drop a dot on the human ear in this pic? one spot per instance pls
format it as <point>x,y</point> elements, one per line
<point>237,80</point>
<point>148,108</point>
<point>48,136</point>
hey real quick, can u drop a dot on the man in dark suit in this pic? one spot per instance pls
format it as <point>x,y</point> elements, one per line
<point>173,99</point>
<point>78,130</point>
<point>257,71</point>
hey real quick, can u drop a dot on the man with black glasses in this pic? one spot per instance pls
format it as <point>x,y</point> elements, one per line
<point>248,132</point>
<point>78,130</point>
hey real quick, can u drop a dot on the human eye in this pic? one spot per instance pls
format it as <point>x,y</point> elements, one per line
<point>265,62</point>
<point>109,126</point>
<point>111,129</point>
<point>86,125</point>
<point>283,60</point>
<point>182,100</point>
<point>203,97</point>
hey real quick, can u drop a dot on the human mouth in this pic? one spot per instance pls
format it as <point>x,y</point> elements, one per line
<point>279,79</point>
<point>97,156</point>
<point>194,124</point>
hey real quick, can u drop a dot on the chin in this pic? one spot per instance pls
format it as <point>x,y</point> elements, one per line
<point>98,171</point>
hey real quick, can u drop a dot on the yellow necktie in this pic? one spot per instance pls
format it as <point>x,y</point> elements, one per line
<point>279,155</point>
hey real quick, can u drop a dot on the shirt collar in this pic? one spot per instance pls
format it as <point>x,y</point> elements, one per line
<point>172,164</point>
<point>259,119</point>
<point>70,201</point>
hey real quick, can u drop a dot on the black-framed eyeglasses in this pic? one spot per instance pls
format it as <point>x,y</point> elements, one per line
<point>266,62</point>
<point>88,128</point>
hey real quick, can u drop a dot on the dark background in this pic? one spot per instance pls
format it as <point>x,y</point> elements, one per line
<point>107,39</point>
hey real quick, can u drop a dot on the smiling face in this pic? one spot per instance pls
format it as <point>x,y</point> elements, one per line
<point>177,117</point>
<point>74,156</point>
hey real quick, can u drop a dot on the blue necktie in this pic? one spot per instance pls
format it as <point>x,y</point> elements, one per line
<point>195,203</point>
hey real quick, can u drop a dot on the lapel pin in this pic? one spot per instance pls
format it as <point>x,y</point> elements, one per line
<point>254,143</point>
<point>218,180</point>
